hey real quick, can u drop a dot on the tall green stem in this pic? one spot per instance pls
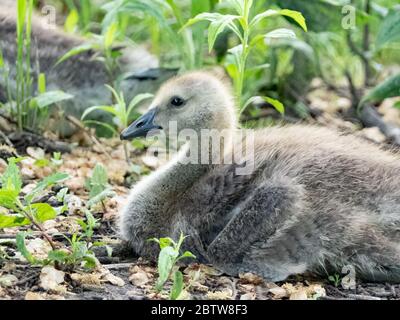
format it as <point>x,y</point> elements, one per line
<point>244,21</point>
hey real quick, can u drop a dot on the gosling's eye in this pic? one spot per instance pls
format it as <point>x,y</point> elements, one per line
<point>177,102</point>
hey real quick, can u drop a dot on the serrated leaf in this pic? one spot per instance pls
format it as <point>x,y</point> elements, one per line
<point>177,286</point>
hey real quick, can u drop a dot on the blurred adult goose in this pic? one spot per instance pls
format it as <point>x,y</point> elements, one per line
<point>82,75</point>
<point>314,199</point>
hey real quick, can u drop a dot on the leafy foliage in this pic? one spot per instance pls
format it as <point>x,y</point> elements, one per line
<point>168,257</point>
<point>98,186</point>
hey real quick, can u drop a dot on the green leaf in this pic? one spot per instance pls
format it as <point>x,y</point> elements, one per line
<point>177,286</point>
<point>41,163</point>
<point>107,193</point>
<point>389,30</point>
<point>136,101</point>
<point>42,83</point>
<point>45,183</point>
<point>165,242</point>
<point>275,103</point>
<point>90,261</point>
<point>43,212</point>
<point>101,124</point>
<point>188,254</point>
<point>387,89</point>
<point>11,179</point>
<point>58,255</point>
<point>108,109</point>
<point>280,33</point>
<point>20,241</point>
<point>110,35</point>
<point>11,221</point>
<point>2,64</point>
<point>218,24</point>
<point>238,5</point>
<point>75,51</point>
<point>295,15</point>
<point>98,182</point>
<point>8,198</point>
<point>51,97</point>
<point>21,15</point>
<point>71,22</point>
<point>166,261</point>
<point>217,27</point>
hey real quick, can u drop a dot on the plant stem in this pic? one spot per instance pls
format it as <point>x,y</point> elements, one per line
<point>245,52</point>
<point>29,216</point>
<point>128,160</point>
<point>367,69</point>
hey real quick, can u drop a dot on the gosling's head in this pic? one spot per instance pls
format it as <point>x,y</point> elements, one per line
<point>196,101</point>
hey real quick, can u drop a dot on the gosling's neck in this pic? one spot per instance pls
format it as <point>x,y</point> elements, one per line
<point>194,159</point>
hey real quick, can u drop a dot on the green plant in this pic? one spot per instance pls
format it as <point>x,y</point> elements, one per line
<point>167,260</point>
<point>167,17</point>
<point>244,26</point>
<point>79,252</point>
<point>120,111</point>
<point>335,279</point>
<point>22,210</point>
<point>30,111</point>
<point>103,44</point>
<point>98,186</point>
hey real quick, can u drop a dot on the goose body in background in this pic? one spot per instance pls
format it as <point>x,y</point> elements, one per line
<point>82,75</point>
<point>315,200</point>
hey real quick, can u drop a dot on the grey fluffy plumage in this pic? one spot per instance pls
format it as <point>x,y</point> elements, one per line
<point>316,200</point>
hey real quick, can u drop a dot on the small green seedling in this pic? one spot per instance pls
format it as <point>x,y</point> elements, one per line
<point>167,260</point>
<point>98,186</point>
<point>120,111</point>
<point>335,279</point>
<point>22,210</point>
<point>54,162</point>
<point>80,252</point>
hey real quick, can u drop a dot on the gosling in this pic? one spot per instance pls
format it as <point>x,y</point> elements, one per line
<point>315,200</point>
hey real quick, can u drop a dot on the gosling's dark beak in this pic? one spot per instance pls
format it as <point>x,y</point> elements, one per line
<point>141,126</point>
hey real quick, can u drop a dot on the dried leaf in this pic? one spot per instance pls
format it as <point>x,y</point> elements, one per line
<point>50,278</point>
